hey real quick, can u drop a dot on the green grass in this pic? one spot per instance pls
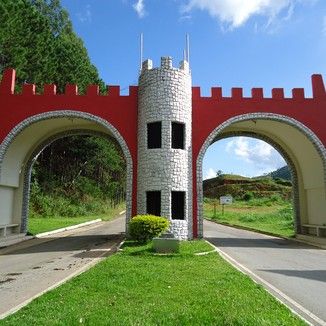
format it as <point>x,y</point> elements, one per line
<point>275,217</point>
<point>138,287</point>
<point>44,224</point>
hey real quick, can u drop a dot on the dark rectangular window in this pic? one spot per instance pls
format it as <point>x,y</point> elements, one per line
<point>153,203</point>
<point>154,135</point>
<point>178,205</point>
<point>178,135</point>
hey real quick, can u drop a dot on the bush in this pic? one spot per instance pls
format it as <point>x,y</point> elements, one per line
<point>143,228</point>
<point>248,196</point>
<point>283,182</point>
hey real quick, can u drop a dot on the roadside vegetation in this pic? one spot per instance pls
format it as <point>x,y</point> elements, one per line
<point>242,188</point>
<point>74,181</point>
<point>40,224</point>
<point>138,287</point>
<point>260,203</point>
<point>270,215</point>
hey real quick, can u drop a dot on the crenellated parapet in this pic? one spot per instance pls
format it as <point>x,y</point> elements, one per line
<point>7,87</point>
<point>166,64</point>
<point>318,92</point>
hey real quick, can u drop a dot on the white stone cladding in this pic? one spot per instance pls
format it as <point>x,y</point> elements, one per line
<point>165,95</point>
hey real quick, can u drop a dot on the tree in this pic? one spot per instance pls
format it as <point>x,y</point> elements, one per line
<point>37,39</point>
<point>219,173</point>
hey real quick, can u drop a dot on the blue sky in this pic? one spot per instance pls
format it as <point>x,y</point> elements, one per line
<point>233,43</point>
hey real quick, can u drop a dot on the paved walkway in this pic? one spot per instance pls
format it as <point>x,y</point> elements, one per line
<point>32,267</point>
<point>294,272</point>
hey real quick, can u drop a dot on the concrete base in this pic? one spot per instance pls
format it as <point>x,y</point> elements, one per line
<point>316,241</point>
<point>13,239</point>
<point>166,245</point>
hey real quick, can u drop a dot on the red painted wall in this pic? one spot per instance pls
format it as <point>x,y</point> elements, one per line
<point>119,111</point>
<point>209,112</point>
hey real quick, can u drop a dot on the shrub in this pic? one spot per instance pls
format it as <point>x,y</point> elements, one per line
<point>283,182</point>
<point>248,196</point>
<point>247,218</point>
<point>143,228</point>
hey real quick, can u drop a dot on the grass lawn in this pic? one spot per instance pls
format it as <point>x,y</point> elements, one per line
<point>137,287</point>
<point>258,214</point>
<point>44,224</point>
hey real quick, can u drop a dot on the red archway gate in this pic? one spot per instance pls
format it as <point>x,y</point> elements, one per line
<point>295,124</point>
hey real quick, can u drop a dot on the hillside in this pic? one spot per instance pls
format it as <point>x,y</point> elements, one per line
<point>239,188</point>
<point>283,173</point>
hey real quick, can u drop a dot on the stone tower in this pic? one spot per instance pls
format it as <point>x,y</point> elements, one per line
<point>164,144</point>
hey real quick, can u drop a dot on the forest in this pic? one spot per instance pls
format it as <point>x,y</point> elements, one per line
<point>76,175</point>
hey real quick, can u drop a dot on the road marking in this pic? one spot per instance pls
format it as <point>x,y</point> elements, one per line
<point>68,228</point>
<point>271,288</point>
<point>204,253</point>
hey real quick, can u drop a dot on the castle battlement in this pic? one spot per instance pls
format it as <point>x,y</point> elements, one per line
<point>166,64</point>
<point>7,87</point>
<point>8,83</point>
<point>318,91</point>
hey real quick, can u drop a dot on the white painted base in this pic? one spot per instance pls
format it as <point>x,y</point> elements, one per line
<point>310,239</point>
<point>13,239</point>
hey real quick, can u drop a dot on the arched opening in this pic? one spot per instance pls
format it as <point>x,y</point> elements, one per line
<point>301,149</point>
<point>76,176</point>
<point>27,140</point>
<point>253,176</point>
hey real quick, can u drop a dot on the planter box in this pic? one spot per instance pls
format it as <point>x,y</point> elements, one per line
<point>166,245</point>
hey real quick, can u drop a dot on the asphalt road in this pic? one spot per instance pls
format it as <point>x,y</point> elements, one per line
<point>32,267</point>
<point>297,270</point>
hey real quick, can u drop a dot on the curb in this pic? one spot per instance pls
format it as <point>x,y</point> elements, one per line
<point>72,227</point>
<point>247,228</point>
<point>295,307</point>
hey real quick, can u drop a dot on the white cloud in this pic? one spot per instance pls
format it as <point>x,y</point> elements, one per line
<point>86,15</point>
<point>139,7</point>
<point>211,173</point>
<point>261,155</point>
<point>235,13</point>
